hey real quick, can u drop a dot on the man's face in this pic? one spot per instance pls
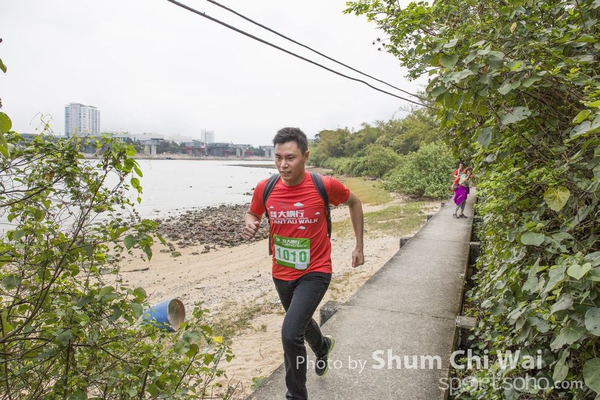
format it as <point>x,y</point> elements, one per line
<point>290,162</point>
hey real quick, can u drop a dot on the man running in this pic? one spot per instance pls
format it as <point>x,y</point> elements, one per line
<point>301,251</point>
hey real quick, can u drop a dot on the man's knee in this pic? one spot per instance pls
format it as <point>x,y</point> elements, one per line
<point>291,338</point>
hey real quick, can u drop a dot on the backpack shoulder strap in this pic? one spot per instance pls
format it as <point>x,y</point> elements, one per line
<point>269,188</point>
<point>266,193</point>
<point>318,181</point>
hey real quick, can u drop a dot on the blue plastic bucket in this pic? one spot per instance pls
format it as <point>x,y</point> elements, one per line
<point>168,315</point>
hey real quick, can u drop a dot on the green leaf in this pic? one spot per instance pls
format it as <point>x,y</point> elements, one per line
<point>569,334</point>
<point>515,115</point>
<point>585,58</point>
<point>593,258</point>
<point>2,66</point>
<point>137,170</point>
<point>140,293</point>
<point>592,104</point>
<point>530,81</point>
<point>592,321</point>
<point>3,146</point>
<point>485,136</point>
<point>531,285</point>
<point>84,301</point>
<point>541,325</point>
<point>6,327</point>
<point>438,91</point>
<point>578,271</point>
<point>18,234</point>
<point>106,290</point>
<point>63,336</point>
<point>117,312</point>
<point>557,197</point>
<point>39,215</point>
<point>11,282</point>
<point>153,390</point>
<point>181,347</point>
<point>581,129</point>
<point>88,249</point>
<point>591,374</point>
<point>194,349</point>
<point>5,123</point>
<point>507,87</point>
<point>565,303</point>
<point>532,239</point>
<point>78,395</point>
<point>137,309</point>
<point>449,61</point>
<point>561,369</point>
<point>555,276</point>
<point>450,44</point>
<point>583,114</point>
<point>129,241</point>
<point>496,54</point>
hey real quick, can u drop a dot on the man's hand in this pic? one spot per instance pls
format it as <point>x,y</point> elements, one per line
<point>358,258</point>
<point>250,229</point>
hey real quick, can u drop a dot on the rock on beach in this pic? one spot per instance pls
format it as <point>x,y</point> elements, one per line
<point>212,227</point>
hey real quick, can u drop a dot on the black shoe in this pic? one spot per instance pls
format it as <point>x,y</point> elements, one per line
<point>322,363</point>
<point>462,216</point>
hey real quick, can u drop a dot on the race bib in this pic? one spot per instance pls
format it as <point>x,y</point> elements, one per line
<point>292,252</point>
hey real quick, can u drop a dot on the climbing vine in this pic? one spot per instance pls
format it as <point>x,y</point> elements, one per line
<point>516,85</point>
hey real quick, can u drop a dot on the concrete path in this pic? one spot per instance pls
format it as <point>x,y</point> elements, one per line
<point>395,336</point>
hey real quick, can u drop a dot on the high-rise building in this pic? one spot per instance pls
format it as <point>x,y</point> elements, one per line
<point>207,136</point>
<point>81,120</point>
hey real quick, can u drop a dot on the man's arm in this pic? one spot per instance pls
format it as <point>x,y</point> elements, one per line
<point>356,216</point>
<point>251,226</point>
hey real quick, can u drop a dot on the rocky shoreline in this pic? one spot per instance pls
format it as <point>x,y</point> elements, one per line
<point>218,226</point>
<point>210,227</point>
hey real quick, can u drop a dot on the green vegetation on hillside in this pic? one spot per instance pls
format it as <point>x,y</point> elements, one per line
<point>408,155</point>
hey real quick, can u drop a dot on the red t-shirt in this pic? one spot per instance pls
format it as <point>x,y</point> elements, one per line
<point>298,221</point>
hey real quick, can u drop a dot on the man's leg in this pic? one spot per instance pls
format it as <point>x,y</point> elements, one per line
<point>300,299</point>
<point>462,207</point>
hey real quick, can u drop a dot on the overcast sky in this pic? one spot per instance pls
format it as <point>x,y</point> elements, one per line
<point>151,66</point>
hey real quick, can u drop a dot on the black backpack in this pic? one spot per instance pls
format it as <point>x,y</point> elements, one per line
<point>320,188</point>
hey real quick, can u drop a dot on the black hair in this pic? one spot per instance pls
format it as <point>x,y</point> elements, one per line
<point>285,135</point>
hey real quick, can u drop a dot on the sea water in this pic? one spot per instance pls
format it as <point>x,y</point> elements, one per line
<point>171,187</point>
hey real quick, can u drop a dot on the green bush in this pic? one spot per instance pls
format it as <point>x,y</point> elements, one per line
<point>424,173</point>
<point>351,166</point>
<point>381,160</point>
<point>69,327</point>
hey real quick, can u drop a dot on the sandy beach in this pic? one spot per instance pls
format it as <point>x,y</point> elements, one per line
<point>235,278</point>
